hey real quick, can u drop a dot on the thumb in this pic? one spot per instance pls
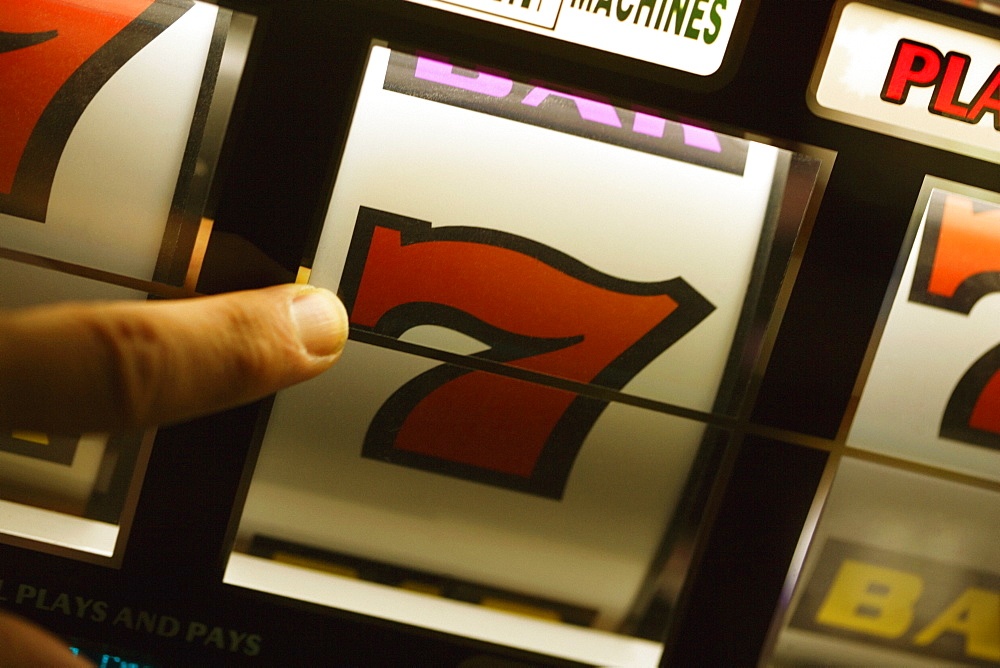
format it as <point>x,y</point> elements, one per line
<point>74,368</point>
<point>23,645</point>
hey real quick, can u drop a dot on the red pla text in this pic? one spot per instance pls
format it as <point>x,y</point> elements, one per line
<point>922,65</point>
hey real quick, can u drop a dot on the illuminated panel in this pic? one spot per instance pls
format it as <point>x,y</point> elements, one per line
<point>902,572</point>
<point>916,75</point>
<point>105,105</point>
<point>592,234</point>
<point>527,271</point>
<point>688,35</point>
<point>462,519</point>
<point>903,602</point>
<point>940,340</point>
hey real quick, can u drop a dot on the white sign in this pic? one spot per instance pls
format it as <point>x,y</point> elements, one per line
<point>687,35</point>
<point>914,77</point>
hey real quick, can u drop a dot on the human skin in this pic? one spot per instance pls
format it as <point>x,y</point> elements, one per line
<point>102,367</point>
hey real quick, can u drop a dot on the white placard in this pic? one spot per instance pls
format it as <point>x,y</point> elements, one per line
<point>919,77</point>
<point>687,35</point>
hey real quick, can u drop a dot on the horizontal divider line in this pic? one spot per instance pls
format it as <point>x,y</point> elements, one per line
<point>150,287</point>
<point>737,426</point>
<point>576,387</point>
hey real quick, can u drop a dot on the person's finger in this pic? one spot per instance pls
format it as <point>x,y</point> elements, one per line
<point>24,645</point>
<point>74,368</point>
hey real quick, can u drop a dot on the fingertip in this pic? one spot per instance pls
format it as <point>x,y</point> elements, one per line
<point>75,368</point>
<point>321,322</point>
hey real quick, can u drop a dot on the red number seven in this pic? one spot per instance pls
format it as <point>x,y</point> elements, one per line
<point>54,57</point>
<point>973,411</point>
<point>959,261</point>
<point>959,264</point>
<point>538,310</point>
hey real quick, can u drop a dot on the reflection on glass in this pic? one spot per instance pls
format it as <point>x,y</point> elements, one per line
<point>938,338</point>
<point>119,112</point>
<point>113,117</point>
<point>67,490</point>
<point>551,304</point>
<point>902,571</point>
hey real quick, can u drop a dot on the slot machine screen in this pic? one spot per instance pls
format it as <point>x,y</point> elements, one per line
<point>551,330</point>
<point>672,329</point>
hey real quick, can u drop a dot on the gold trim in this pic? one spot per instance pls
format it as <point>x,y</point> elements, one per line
<point>198,254</point>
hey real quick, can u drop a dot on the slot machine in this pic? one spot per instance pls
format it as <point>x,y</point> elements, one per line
<point>673,329</point>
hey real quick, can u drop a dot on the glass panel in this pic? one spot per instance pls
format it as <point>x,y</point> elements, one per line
<point>592,233</point>
<point>85,81</point>
<point>317,502</point>
<point>554,315</point>
<point>65,491</point>
<point>941,324</point>
<point>902,572</point>
<point>114,115</point>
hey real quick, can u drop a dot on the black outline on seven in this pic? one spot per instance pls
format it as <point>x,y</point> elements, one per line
<point>29,195</point>
<point>958,413</point>
<point>973,288</point>
<point>962,401</point>
<point>553,467</point>
<point>15,41</point>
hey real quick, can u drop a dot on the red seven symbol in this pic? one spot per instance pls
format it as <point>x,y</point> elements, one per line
<point>959,261</point>
<point>538,309</point>
<point>959,264</point>
<point>973,411</point>
<point>54,57</point>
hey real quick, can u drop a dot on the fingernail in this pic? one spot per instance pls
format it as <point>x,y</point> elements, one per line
<point>321,320</point>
